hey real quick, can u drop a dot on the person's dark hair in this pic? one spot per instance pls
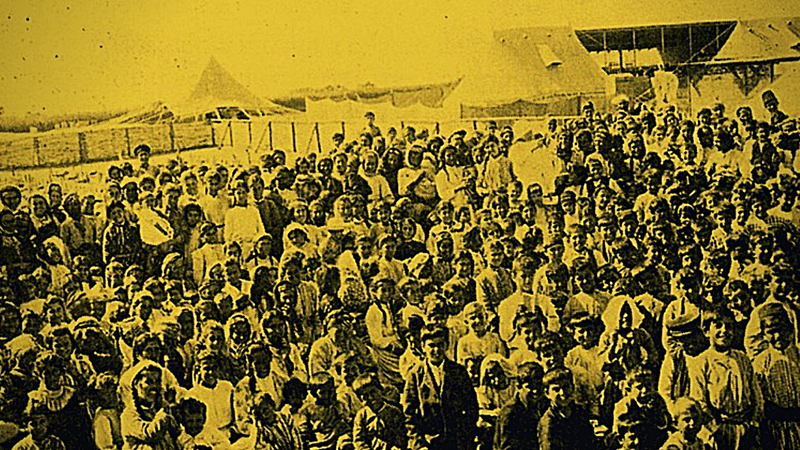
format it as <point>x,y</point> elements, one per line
<point>560,376</point>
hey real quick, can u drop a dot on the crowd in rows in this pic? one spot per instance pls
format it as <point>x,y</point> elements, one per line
<point>624,280</point>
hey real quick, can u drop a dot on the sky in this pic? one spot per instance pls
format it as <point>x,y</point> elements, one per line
<point>63,56</point>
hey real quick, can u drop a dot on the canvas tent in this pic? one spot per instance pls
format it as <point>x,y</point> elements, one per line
<point>757,53</point>
<point>530,71</point>
<point>762,40</point>
<point>217,95</point>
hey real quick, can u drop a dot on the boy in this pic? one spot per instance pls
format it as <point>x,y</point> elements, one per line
<point>725,386</point>
<point>564,425</point>
<point>778,372</point>
<point>191,414</point>
<point>378,425</point>
<point>585,362</point>
<point>642,398</point>
<point>518,421</point>
<point>39,436</point>
<point>687,418</point>
<point>216,394</point>
<point>479,341</point>
<point>322,419</point>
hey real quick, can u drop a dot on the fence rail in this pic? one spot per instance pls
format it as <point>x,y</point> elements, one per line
<point>256,137</point>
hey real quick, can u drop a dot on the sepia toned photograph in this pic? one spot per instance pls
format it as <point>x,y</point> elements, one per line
<point>422,225</point>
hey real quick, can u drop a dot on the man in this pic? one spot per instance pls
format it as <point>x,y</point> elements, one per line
<point>142,152</point>
<point>371,128</point>
<point>776,116</point>
<point>439,402</point>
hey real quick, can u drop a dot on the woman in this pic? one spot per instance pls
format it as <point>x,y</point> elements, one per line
<point>240,336</point>
<point>121,240</point>
<point>450,175</point>
<point>69,419</point>
<point>147,423</point>
<point>243,221</point>
<point>381,190</point>
<point>391,163</point>
<point>417,183</point>
<point>212,340</point>
<point>43,223</point>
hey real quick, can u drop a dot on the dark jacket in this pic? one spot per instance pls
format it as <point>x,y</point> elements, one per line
<point>558,432</point>
<point>517,426</point>
<point>451,412</point>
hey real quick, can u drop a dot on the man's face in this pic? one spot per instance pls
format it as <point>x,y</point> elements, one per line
<point>434,350</point>
<point>771,105</point>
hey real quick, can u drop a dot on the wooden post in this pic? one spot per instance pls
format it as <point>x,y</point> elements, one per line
<point>294,139</point>
<point>343,131</point>
<point>319,143</point>
<point>83,151</point>
<point>474,124</point>
<point>437,128</point>
<point>213,136</point>
<point>171,137</point>
<point>128,140</point>
<point>37,155</point>
<point>269,127</point>
<point>402,126</point>
<point>250,133</point>
<point>230,130</point>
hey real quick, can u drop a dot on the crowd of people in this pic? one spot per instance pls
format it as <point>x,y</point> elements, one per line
<point>625,280</point>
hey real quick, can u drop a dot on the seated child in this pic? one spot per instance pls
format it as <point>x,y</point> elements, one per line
<point>322,419</point>
<point>191,415</point>
<point>378,425</point>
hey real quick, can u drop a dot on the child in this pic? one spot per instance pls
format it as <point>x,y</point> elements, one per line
<point>687,416</point>
<point>479,341</point>
<point>564,425</point>
<point>631,433</point>
<point>274,429</point>
<point>642,398</point>
<point>322,419</point>
<point>516,425</point>
<point>495,391</point>
<point>725,386</point>
<point>778,371</point>
<point>215,393</point>
<point>191,415</point>
<point>550,352</point>
<point>294,394</point>
<point>584,361</point>
<point>106,422</point>
<point>377,425</point>
<point>39,436</point>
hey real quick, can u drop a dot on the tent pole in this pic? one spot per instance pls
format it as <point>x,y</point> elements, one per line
<point>319,144</point>
<point>294,139</point>
<point>269,127</point>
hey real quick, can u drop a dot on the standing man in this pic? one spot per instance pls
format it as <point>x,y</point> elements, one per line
<point>371,128</point>
<point>776,116</point>
<point>142,152</point>
<point>439,402</point>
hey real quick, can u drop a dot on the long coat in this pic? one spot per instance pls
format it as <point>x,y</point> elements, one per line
<point>443,417</point>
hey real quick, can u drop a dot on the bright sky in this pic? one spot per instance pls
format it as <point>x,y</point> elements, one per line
<point>89,55</point>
